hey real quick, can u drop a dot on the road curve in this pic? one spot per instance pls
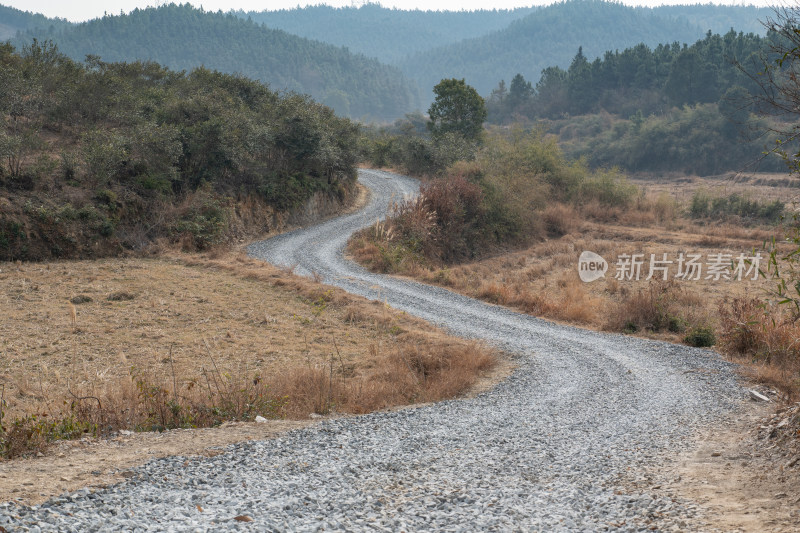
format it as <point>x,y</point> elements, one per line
<point>617,392</point>
<point>574,440</point>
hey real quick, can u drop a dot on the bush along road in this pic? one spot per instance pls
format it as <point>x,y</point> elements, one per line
<point>579,438</point>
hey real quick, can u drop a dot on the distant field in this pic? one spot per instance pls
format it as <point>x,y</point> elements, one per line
<point>758,186</point>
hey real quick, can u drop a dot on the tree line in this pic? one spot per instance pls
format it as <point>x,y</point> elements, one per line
<point>548,36</point>
<point>671,108</point>
<point>639,78</point>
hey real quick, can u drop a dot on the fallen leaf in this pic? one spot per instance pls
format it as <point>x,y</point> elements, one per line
<point>243,518</point>
<point>199,508</point>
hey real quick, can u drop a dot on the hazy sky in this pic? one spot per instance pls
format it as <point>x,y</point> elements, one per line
<point>79,10</point>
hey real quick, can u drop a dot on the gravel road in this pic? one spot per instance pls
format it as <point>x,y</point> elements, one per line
<point>575,440</point>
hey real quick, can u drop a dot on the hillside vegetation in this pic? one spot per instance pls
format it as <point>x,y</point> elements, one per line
<point>548,36</point>
<point>15,20</point>
<point>484,46</point>
<point>101,157</point>
<point>668,108</point>
<point>181,37</point>
<point>386,33</point>
<point>481,46</point>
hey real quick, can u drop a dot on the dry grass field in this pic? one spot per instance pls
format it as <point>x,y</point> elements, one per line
<point>543,279</point>
<point>167,342</point>
<point>762,186</point>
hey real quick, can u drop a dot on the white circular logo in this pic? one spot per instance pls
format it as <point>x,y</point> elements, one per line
<point>591,266</point>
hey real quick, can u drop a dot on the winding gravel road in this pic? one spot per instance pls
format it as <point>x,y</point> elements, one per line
<point>574,440</point>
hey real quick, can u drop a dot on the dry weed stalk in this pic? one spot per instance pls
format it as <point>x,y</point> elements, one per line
<point>73,313</point>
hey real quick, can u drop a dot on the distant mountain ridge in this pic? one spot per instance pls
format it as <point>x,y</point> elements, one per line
<point>13,20</point>
<point>485,46</point>
<point>548,37</point>
<point>423,46</point>
<point>182,37</point>
<point>389,34</point>
<point>719,19</point>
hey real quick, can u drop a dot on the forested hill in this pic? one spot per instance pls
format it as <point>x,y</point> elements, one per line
<point>14,20</point>
<point>548,36</point>
<point>388,34</point>
<point>285,48</point>
<point>720,19</point>
<point>182,37</point>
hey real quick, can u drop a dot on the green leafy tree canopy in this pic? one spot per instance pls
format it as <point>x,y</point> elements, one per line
<point>457,108</point>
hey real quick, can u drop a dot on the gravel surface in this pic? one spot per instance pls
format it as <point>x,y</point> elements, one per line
<point>575,440</point>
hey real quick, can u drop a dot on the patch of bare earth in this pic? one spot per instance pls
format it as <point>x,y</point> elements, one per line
<point>747,476</point>
<point>87,328</point>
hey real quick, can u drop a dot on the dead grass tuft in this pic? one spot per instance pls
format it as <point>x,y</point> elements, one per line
<point>370,253</point>
<point>415,371</point>
<point>661,306</point>
<point>767,337</point>
<point>560,219</point>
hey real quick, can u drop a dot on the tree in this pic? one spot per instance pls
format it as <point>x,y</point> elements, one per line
<point>779,84</point>
<point>457,108</point>
<point>551,92</point>
<point>520,93</point>
<point>734,106</point>
<point>580,90</point>
<point>691,79</point>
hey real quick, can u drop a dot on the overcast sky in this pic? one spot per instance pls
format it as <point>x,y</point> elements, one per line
<point>80,10</point>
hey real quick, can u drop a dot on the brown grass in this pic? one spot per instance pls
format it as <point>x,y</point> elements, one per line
<point>658,306</point>
<point>767,337</point>
<point>412,373</point>
<point>196,340</point>
<point>542,279</point>
<point>560,219</point>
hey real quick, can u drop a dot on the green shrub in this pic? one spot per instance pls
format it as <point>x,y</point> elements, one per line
<point>288,192</point>
<point>677,324</point>
<point>69,165</point>
<point>43,166</point>
<point>155,183</point>
<point>88,212</point>
<point>204,222</point>
<point>107,197</point>
<point>610,188</point>
<point>701,337</point>
<point>104,154</point>
<point>703,205</point>
<point>10,234</point>
<point>106,228</point>
<point>33,433</point>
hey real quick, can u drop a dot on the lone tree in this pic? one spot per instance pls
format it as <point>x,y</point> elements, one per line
<point>457,108</point>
